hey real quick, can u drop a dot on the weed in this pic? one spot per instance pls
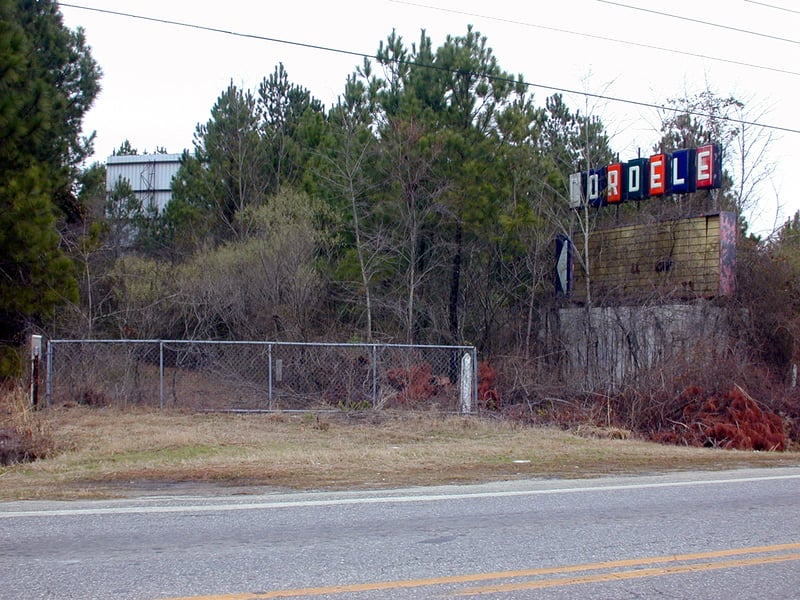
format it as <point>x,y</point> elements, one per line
<point>24,436</point>
<point>354,405</point>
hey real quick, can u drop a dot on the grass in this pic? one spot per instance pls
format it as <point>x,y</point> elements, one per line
<point>103,452</point>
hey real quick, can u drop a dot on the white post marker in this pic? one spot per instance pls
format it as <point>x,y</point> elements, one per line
<point>466,384</point>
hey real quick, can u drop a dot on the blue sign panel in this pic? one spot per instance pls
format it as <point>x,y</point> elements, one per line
<point>637,183</point>
<point>596,187</point>
<point>563,265</point>
<point>684,171</point>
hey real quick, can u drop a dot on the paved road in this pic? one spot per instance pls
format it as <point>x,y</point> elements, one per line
<point>733,534</point>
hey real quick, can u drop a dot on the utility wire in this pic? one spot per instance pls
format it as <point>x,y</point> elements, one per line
<point>789,10</point>
<point>708,23</point>
<point>600,37</point>
<point>433,67</point>
<point>211,29</point>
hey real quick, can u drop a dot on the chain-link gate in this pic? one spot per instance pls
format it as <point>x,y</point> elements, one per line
<point>261,376</point>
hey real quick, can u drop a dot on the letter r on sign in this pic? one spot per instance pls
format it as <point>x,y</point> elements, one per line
<point>614,183</point>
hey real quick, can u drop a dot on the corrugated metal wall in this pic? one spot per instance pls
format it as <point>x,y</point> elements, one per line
<point>150,175</point>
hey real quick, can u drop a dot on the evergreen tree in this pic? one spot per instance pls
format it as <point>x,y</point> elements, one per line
<point>226,173</point>
<point>289,116</point>
<point>438,123</point>
<point>48,80</point>
<point>243,154</point>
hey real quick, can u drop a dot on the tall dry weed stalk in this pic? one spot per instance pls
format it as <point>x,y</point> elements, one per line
<point>24,434</point>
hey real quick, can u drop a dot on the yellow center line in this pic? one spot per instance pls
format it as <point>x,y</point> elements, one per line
<point>479,577</point>
<point>625,575</point>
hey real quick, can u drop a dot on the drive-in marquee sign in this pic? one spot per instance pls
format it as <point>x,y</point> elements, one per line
<point>678,258</point>
<point>663,174</point>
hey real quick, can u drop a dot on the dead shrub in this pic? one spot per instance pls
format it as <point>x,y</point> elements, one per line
<point>24,435</point>
<point>92,397</point>
<point>733,420</point>
<point>696,399</point>
<point>416,384</point>
<point>488,395</point>
<point>592,431</point>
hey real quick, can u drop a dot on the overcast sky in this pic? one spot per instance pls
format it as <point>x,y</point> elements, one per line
<point>161,80</point>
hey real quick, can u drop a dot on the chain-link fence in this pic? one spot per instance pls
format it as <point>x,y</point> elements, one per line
<point>261,376</point>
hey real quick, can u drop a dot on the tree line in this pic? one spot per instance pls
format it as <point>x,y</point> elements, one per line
<point>422,207</point>
<point>417,209</point>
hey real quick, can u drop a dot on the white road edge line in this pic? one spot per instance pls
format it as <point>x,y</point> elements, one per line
<point>199,508</point>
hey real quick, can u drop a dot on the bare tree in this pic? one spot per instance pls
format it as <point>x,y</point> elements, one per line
<point>410,158</point>
<point>343,165</point>
<point>708,117</point>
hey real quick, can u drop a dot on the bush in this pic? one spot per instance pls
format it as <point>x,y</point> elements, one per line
<point>732,420</point>
<point>415,384</point>
<point>488,395</point>
<point>23,433</point>
<point>722,401</point>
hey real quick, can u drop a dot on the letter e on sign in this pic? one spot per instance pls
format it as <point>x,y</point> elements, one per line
<point>709,166</point>
<point>658,174</point>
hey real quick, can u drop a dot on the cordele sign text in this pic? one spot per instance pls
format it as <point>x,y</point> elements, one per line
<point>679,172</point>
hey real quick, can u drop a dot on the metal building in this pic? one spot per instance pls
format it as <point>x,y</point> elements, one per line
<point>149,175</point>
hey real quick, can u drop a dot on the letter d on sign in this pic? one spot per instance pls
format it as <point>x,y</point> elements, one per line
<point>638,179</point>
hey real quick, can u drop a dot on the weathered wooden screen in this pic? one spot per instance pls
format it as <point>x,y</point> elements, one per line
<point>684,258</point>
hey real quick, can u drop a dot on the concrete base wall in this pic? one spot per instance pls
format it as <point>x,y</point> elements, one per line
<point>603,348</point>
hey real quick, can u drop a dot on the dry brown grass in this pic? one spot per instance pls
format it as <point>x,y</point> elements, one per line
<point>24,435</point>
<point>111,452</point>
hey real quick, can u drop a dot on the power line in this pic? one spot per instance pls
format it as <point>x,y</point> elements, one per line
<point>601,38</point>
<point>211,29</point>
<point>789,10</point>
<point>708,23</point>
<point>433,67</point>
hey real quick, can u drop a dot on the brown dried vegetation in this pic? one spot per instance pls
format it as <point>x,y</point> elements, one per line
<point>680,404</point>
<point>24,436</point>
<point>731,420</point>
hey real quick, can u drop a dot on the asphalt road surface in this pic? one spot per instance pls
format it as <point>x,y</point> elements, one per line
<point>726,535</point>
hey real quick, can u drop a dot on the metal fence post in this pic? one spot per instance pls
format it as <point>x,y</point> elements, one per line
<point>161,374</point>
<point>269,377</point>
<point>374,376</point>
<point>48,378</point>
<point>475,378</point>
<point>466,384</point>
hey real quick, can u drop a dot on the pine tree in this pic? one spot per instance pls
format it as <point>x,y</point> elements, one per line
<point>48,80</point>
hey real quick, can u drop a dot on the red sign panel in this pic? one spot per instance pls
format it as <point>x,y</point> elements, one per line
<point>614,183</point>
<point>709,173</point>
<point>658,174</point>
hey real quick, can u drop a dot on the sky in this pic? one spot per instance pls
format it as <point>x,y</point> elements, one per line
<point>613,59</point>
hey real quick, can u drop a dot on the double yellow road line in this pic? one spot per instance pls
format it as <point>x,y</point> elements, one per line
<point>657,566</point>
<point>619,570</point>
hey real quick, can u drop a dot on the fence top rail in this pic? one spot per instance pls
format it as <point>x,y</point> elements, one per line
<point>259,343</point>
